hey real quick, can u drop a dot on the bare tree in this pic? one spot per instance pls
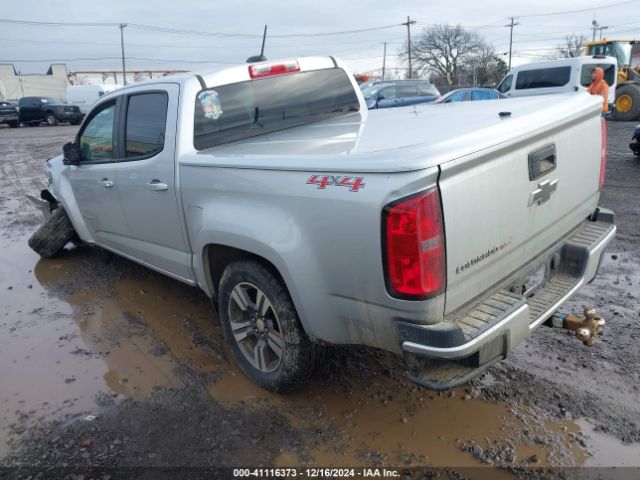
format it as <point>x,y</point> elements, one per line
<point>443,50</point>
<point>483,62</point>
<point>573,46</point>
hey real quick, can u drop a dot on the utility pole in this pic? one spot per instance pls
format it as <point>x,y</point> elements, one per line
<point>594,27</point>
<point>384,58</point>
<point>601,29</point>
<point>511,25</point>
<point>124,70</point>
<point>408,24</point>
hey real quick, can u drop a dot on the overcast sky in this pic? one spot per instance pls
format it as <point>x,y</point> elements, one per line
<point>98,47</point>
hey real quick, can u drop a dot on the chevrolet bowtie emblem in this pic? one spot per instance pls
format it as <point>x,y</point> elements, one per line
<point>543,192</point>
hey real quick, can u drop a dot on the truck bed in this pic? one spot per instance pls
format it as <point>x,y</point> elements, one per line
<point>480,157</point>
<point>418,136</point>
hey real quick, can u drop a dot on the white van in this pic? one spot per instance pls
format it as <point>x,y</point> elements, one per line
<point>84,96</point>
<point>558,76</point>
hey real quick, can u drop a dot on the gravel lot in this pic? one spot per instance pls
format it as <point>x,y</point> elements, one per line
<point>105,364</point>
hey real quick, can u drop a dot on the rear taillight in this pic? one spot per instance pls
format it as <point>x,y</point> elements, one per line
<point>603,153</point>
<point>266,69</point>
<point>413,240</point>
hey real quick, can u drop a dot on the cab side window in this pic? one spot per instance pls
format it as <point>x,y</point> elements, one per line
<point>459,96</point>
<point>146,124</point>
<point>96,140</point>
<point>407,91</point>
<point>483,95</point>
<point>388,93</point>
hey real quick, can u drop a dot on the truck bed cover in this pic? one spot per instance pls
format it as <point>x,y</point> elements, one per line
<point>385,140</point>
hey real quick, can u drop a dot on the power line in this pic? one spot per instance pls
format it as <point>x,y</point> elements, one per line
<point>244,35</point>
<point>589,9</point>
<point>60,60</point>
<point>149,45</point>
<point>59,24</point>
<point>153,28</point>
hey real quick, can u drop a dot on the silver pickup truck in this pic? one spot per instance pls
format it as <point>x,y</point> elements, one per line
<point>445,233</point>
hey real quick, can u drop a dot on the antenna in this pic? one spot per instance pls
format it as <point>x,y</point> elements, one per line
<point>261,57</point>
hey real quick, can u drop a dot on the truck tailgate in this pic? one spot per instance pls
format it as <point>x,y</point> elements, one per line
<point>500,212</point>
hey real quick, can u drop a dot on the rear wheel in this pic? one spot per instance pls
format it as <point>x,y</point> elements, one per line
<point>51,119</point>
<point>53,235</point>
<point>14,124</point>
<point>627,102</point>
<point>75,122</point>
<point>261,325</point>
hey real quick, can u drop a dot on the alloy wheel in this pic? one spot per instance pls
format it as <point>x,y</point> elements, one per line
<point>255,326</point>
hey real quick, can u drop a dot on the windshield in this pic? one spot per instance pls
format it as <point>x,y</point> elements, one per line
<point>621,52</point>
<point>370,92</point>
<point>587,68</point>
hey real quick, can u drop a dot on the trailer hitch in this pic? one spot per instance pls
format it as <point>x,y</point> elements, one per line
<point>586,329</point>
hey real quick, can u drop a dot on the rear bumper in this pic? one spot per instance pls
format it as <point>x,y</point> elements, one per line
<point>69,116</point>
<point>485,332</point>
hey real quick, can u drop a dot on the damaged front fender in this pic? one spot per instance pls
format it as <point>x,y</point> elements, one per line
<point>46,203</point>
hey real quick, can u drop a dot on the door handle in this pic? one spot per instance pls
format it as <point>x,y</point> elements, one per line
<point>106,183</point>
<point>157,186</point>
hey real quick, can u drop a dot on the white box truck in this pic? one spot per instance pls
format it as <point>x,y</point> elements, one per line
<point>85,96</point>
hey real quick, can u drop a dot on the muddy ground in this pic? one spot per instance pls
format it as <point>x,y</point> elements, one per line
<point>104,363</point>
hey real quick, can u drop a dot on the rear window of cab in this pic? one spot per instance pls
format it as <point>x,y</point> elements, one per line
<point>241,110</point>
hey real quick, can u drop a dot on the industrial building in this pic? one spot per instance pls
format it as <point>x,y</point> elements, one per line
<point>14,85</point>
<point>54,83</point>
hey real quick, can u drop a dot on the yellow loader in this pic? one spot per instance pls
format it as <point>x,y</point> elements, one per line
<point>627,52</point>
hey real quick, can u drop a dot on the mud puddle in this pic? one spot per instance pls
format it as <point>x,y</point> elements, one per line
<point>66,341</point>
<point>388,421</point>
<point>71,333</point>
<point>44,367</point>
<point>605,450</point>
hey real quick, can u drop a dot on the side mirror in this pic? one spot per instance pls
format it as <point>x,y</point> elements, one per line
<point>71,154</point>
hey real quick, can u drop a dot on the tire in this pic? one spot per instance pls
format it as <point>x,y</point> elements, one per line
<point>51,119</point>
<point>14,124</point>
<point>53,235</point>
<point>629,96</point>
<point>76,122</point>
<point>275,328</point>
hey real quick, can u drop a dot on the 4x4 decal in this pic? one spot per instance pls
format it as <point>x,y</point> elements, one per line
<point>323,181</point>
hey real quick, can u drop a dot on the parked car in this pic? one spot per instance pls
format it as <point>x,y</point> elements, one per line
<point>470,94</point>
<point>370,83</point>
<point>635,141</point>
<point>9,114</point>
<point>35,110</point>
<point>558,76</point>
<point>84,96</point>
<point>311,220</point>
<point>399,94</point>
